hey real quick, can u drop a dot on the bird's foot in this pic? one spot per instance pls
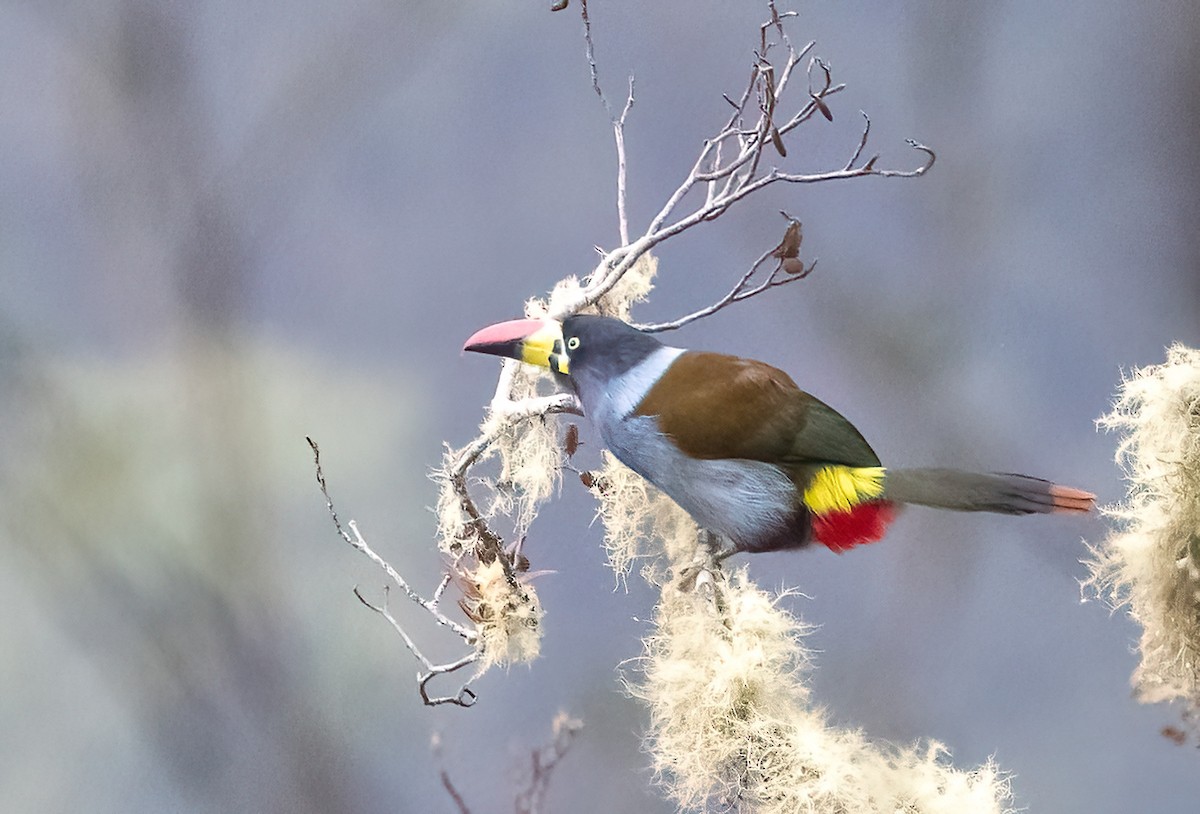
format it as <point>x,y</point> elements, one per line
<point>717,549</point>
<point>704,579</point>
<point>724,553</point>
<point>689,575</point>
<point>709,556</point>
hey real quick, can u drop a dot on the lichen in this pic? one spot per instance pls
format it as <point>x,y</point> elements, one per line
<point>732,720</point>
<point>506,613</point>
<point>1150,562</point>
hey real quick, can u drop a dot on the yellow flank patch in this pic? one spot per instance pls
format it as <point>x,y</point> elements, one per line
<point>841,488</point>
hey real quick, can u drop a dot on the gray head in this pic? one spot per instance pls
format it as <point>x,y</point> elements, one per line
<point>590,352</point>
<point>601,349</point>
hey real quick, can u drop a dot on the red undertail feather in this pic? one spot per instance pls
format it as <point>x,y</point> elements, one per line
<point>864,523</point>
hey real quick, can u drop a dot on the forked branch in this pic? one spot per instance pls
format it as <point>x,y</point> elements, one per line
<point>465,696</point>
<point>789,268</point>
<point>734,163</point>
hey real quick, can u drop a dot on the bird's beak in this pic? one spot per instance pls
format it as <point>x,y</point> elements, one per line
<point>533,341</point>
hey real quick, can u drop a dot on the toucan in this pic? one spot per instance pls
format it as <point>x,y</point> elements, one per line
<point>748,454</point>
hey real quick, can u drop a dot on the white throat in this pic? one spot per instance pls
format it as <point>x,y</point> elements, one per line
<point>626,392</point>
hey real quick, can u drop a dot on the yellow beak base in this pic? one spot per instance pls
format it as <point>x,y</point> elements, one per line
<point>532,341</point>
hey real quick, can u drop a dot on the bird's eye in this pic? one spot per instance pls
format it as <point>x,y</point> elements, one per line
<point>573,343</point>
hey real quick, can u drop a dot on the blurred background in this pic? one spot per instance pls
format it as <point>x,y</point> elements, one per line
<point>226,225</point>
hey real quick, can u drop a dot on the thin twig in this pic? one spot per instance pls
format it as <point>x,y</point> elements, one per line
<point>739,292</point>
<point>777,22</point>
<point>859,172</point>
<point>730,180</point>
<point>441,588</point>
<point>862,142</point>
<point>435,746</point>
<point>465,696</point>
<point>355,539</point>
<point>618,122</point>
<point>544,760</point>
<point>590,50</point>
<point>711,309</point>
<point>448,785</point>
<point>619,137</point>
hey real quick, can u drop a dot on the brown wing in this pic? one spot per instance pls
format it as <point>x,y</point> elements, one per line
<point>718,406</point>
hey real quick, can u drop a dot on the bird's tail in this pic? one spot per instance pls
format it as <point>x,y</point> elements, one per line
<point>978,492</point>
<point>851,506</point>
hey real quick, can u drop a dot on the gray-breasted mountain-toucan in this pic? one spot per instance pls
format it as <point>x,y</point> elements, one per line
<point>748,454</point>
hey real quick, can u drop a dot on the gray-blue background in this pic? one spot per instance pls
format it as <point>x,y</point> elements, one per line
<point>225,225</point>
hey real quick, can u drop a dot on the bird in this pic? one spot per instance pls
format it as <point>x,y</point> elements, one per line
<point>740,447</point>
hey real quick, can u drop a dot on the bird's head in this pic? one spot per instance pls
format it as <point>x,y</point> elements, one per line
<point>582,347</point>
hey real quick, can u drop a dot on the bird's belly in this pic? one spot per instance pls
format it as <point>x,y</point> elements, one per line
<point>750,502</point>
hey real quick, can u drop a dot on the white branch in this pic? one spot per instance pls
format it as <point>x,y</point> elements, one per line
<point>619,136</point>
<point>465,696</point>
<point>618,122</point>
<point>739,292</point>
<point>731,178</point>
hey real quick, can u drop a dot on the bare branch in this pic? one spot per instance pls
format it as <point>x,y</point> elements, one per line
<point>435,746</point>
<point>860,172</point>
<point>789,269</point>
<point>776,22</point>
<point>731,162</point>
<point>355,539</point>
<point>447,784</point>
<point>590,51</point>
<point>862,142</point>
<point>618,122</point>
<point>619,136</point>
<point>711,309</point>
<point>465,696</point>
<point>544,760</point>
<point>441,588</point>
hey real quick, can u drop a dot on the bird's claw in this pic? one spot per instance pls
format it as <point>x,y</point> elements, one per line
<point>709,556</point>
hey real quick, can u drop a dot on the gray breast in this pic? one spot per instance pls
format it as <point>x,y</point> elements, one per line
<point>751,503</point>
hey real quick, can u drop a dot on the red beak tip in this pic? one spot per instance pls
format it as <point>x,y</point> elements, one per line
<point>502,332</point>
